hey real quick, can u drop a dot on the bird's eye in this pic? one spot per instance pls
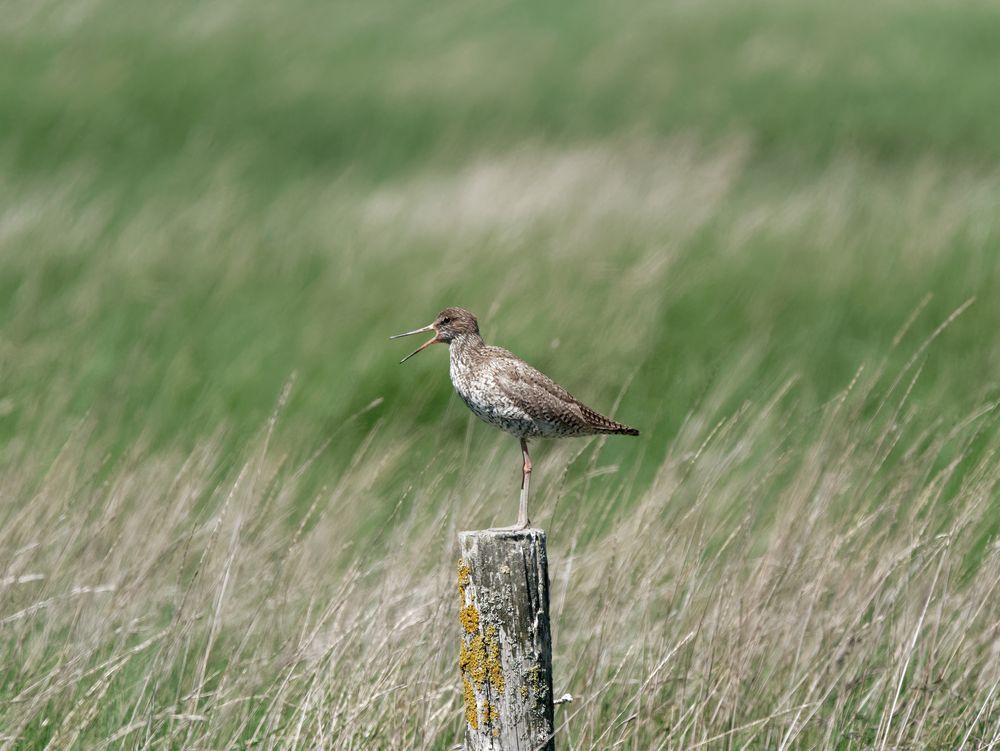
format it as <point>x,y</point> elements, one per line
<point>446,320</point>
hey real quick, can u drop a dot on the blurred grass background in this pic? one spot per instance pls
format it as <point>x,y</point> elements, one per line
<point>681,209</point>
<point>185,193</point>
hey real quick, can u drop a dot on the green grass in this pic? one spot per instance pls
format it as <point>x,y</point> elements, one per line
<point>741,227</point>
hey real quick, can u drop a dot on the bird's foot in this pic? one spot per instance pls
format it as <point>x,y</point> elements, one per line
<point>513,527</point>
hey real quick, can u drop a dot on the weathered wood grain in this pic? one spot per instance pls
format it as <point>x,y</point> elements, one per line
<point>506,651</point>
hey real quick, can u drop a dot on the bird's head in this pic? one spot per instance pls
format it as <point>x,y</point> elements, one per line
<point>449,324</point>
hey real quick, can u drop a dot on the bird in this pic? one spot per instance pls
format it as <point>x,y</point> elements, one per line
<point>503,390</point>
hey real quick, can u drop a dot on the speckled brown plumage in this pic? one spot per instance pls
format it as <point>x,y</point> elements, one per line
<point>505,391</point>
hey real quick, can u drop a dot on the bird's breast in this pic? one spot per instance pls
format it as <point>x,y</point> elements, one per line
<point>479,388</point>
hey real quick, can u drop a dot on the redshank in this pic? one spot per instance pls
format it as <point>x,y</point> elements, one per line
<point>505,391</point>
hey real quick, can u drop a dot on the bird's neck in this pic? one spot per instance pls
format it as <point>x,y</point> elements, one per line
<point>464,344</point>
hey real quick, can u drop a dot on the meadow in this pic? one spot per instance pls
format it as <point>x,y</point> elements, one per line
<point>767,234</point>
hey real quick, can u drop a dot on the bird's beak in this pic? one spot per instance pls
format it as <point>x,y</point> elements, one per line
<point>428,343</point>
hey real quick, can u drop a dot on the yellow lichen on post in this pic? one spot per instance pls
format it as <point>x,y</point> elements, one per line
<point>493,665</point>
<point>505,658</point>
<point>467,614</point>
<point>470,704</point>
<point>469,617</point>
<point>471,660</point>
<point>478,660</point>
<point>491,716</point>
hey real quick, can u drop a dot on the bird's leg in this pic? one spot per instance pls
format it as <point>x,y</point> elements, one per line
<point>522,511</point>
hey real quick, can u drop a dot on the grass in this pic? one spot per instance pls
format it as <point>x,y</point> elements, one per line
<point>765,234</point>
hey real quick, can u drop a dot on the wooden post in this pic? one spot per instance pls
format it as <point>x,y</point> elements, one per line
<point>506,653</point>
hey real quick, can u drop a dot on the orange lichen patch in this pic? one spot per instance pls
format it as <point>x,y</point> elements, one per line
<point>494,667</point>
<point>469,617</point>
<point>470,704</point>
<point>478,660</point>
<point>472,660</point>
<point>463,657</point>
<point>467,614</point>
<point>491,715</point>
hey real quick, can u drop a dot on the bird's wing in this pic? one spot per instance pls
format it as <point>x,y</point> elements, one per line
<point>541,398</point>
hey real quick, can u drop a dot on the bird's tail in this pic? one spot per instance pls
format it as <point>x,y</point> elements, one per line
<point>602,424</point>
<point>620,429</point>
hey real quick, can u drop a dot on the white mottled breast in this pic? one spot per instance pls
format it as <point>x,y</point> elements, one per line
<point>477,385</point>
